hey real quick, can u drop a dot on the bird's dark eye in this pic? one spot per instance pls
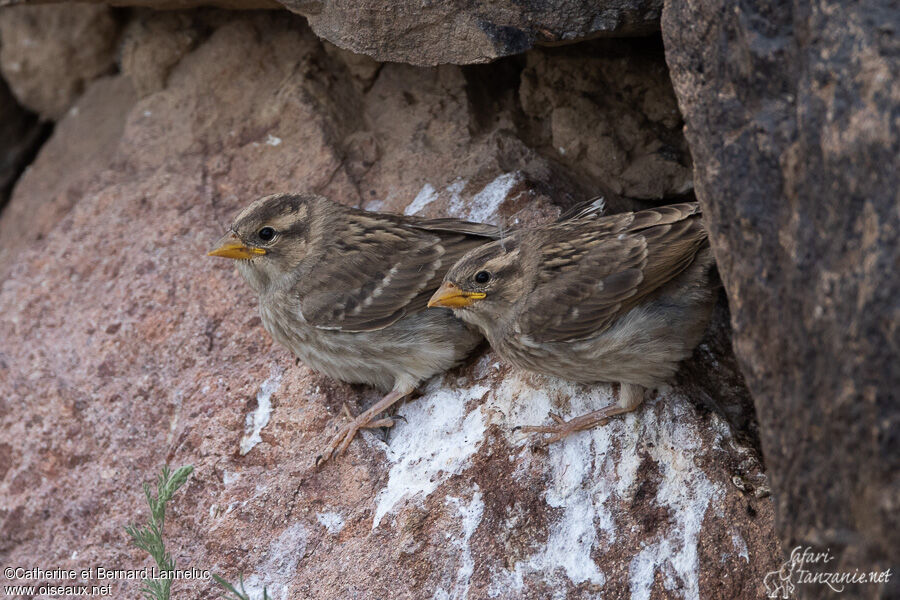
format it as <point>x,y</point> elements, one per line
<point>482,277</point>
<point>266,234</point>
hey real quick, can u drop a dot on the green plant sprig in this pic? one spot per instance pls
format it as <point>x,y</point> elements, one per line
<point>239,595</point>
<point>150,537</point>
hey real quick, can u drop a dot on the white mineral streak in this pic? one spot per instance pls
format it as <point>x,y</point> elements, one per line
<point>471,514</point>
<point>277,571</point>
<point>259,418</point>
<point>332,522</point>
<point>588,475</point>
<point>482,207</point>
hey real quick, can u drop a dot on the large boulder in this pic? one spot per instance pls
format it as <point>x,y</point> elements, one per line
<point>84,144</point>
<point>462,32</point>
<point>792,119</point>
<point>449,31</point>
<point>125,348</point>
<point>48,54</point>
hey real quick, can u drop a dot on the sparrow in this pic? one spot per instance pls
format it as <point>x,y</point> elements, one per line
<point>620,298</point>
<point>346,291</point>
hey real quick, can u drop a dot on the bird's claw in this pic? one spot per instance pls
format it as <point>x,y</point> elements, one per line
<point>378,424</point>
<point>559,430</point>
<point>341,440</point>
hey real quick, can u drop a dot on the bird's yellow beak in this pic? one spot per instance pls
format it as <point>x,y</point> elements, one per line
<point>231,246</point>
<point>450,296</point>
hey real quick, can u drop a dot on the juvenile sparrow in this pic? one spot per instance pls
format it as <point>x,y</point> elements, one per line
<point>621,298</point>
<point>346,291</point>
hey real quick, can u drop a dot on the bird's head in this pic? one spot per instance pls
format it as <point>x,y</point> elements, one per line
<point>269,238</point>
<point>484,284</point>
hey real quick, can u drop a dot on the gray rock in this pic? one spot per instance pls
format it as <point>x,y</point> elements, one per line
<point>50,53</point>
<point>792,118</point>
<point>463,32</point>
<point>460,32</point>
<point>606,109</point>
<point>84,142</point>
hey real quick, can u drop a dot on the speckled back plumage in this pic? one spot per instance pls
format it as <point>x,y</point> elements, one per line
<point>348,296</point>
<point>622,298</point>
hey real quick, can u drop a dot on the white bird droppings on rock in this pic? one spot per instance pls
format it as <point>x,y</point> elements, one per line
<point>333,522</point>
<point>471,514</point>
<point>686,492</point>
<point>426,196</point>
<point>482,208</point>
<point>259,418</point>
<point>229,477</point>
<point>574,485</point>
<point>436,442</point>
<point>276,573</point>
<point>589,476</point>
<point>740,545</point>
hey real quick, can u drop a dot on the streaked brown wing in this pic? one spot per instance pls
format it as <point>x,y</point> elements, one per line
<point>384,267</point>
<point>588,209</point>
<point>468,228</point>
<point>592,272</point>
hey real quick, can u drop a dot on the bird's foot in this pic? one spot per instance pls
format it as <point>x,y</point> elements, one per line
<point>341,440</point>
<point>376,424</point>
<point>562,428</point>
<point>630,397</point>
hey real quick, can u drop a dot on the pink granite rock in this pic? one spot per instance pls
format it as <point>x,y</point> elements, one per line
<point>124,347</point>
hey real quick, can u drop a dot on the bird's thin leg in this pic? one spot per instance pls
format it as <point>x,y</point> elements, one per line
<point>345,435</point>
<point>630,397</point>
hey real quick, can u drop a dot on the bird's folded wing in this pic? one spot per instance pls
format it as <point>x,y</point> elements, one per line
<point>590,274</point>
<point>381,268</point>
<point>588,209</point>
<point>482,230</point>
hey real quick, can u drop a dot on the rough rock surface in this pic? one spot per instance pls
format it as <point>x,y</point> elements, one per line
<point>49,53</point>
<point>463,32</point>
<point>84,143</point>
<point>630,139</point>
<point>172,4</point>
<point>450,31</point>
<point>792,117</point>
<point>125,347</point>
<point>152,44</point>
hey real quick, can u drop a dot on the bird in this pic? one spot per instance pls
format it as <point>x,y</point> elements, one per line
<point>621,298</point>
<point>346,291</point>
